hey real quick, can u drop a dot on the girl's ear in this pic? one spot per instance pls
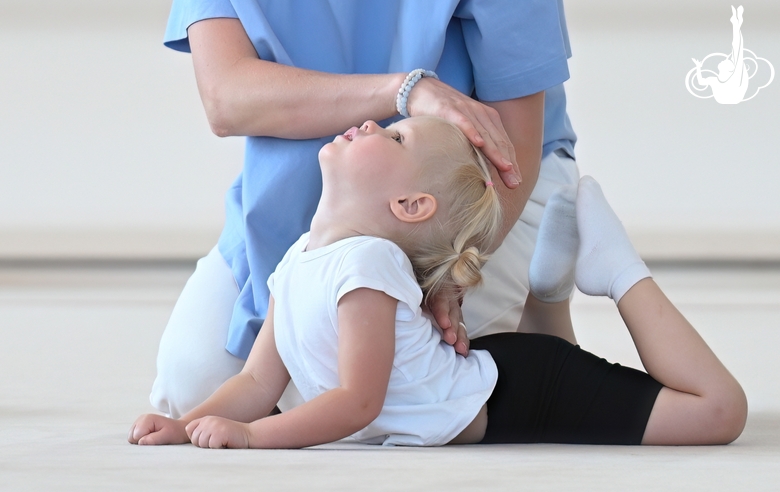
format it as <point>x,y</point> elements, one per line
<point>417,207</point>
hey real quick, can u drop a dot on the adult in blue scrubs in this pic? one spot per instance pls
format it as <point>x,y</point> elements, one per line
<point>289,75</point>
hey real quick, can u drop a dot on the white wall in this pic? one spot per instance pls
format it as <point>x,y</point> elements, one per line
<point>105,151</point>
<point>689,177</point>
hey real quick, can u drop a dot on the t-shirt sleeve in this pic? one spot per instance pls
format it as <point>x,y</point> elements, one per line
<point>185,13</point>
<point>379,265</point>
<point>517,47</point>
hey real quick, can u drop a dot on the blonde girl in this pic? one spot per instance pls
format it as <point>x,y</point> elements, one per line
<point>410,211</point>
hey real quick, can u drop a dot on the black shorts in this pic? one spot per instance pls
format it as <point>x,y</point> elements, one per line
<point>551,391</point>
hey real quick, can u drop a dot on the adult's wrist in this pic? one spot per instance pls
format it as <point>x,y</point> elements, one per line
<point>392,95</point>
<point>406,88</point>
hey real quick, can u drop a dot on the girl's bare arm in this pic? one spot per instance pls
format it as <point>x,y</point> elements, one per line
<point>246,397</point>
<point>366,350</point>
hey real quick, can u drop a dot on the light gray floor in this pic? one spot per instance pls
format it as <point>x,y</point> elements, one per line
<point>77,349</point>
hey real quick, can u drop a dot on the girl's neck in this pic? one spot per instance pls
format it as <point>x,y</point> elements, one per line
<point>328,228</point>
<point>324,233</point>
<point>332,224</point>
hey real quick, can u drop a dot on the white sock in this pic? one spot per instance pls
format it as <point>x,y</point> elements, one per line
<point>607,263</point>
<point>551,272</point>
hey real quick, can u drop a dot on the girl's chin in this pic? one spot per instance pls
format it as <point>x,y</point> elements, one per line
<point>325,152</point>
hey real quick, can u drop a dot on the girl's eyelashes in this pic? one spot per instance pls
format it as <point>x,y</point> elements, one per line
<point>397,136</point>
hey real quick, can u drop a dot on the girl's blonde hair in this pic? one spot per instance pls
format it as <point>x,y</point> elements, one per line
<point>449,257</point>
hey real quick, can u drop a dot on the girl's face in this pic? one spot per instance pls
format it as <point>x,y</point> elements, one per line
<point>372,159</point>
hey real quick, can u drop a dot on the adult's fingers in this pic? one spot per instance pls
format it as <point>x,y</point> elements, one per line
<point>497,146</point>
<point>463,342</point>
<point>440,308</point>
<point>480,123</point>
<point>448,311</point>
<point>482,126</point>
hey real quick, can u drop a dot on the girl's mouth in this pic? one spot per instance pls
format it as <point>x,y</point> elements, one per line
<point>350,134</point>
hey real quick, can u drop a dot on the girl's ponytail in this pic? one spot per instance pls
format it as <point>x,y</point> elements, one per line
<point>465,270</point>
<point>449,261</point>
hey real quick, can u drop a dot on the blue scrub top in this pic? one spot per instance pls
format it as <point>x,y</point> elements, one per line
<point>492,50</point>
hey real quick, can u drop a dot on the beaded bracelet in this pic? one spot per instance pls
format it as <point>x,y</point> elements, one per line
<point>403,93</point>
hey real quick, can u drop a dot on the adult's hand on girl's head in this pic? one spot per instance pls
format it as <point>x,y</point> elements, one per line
<point>217,433</point>
<point>480,123</point>
<point>449,319</point>
<point>151,429</point>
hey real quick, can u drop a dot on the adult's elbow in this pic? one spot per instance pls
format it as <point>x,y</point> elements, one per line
<point>220,128</point>
<point>220,116</point>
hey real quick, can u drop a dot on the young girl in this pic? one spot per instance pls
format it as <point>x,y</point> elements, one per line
<point>345,321</point>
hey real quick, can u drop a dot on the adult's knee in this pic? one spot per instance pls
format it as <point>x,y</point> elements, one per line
<point>183,382</point>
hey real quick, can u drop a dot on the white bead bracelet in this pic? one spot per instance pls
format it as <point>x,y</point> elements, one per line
<point>403,93</point>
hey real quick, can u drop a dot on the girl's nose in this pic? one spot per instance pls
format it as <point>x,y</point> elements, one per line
<point>369,126</point>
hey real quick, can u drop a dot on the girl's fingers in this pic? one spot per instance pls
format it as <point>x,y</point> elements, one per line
<point>144,426</point>
<point>192,431</point>
<point>197,437</point>
<point>217,442</point>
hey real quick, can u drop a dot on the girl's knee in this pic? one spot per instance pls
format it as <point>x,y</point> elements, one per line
<point>730,414</point>
<point>680,418</point>
<point>724,415</point>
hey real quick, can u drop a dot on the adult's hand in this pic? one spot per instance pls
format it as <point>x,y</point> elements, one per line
<point>480,123</point>
<point>449,318</point>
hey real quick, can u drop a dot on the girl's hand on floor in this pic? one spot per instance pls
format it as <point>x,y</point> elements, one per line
<point>480,123</point>
<point>218,433</point>
<point>151,429</point>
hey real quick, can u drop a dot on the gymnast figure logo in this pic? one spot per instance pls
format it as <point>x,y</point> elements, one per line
<point>735,70</point>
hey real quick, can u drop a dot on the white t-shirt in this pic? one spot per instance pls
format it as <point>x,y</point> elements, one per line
<point>433,393</point>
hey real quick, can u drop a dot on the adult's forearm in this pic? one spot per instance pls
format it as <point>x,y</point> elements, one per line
<point>523,120</point>
<point>260,98</point>
<point>244,95</point>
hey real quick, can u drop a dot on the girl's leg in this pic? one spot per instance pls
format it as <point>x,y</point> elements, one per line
<point>192,361</point>
<point>497,306</point>
<point>547,318</point>
<point>701,403</point>
<point>551,271</point>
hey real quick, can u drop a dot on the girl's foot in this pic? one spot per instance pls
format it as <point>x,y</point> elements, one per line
<point>607,263</point>
<point>551,272</point>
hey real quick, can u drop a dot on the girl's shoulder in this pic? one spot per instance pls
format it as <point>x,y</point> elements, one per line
<point>378,264</point>
<point>377,250</point>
